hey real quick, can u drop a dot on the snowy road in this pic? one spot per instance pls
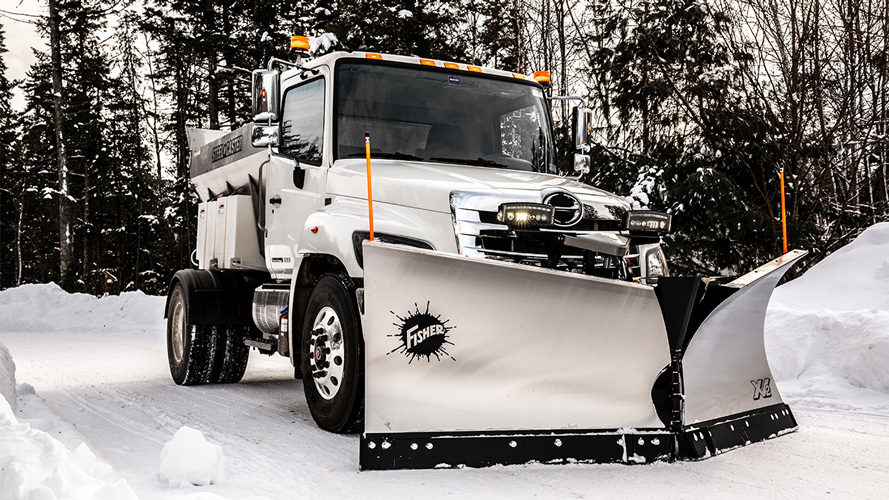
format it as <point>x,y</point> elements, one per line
<point>112,390</point>
<point>99,369</point>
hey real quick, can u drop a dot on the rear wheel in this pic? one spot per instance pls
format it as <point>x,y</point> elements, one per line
<point>331,355</point>
<point>190,348</point>
<point>230,359</point>
<point>201,354</point>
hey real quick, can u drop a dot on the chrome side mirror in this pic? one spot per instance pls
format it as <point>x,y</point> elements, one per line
<point>582,120</point>
<point>264,136</point>
<point>266,89</point>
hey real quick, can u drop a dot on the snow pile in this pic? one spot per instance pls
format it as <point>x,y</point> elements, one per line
<point>854,277</point>
<point>7,377</point>
<point>34,465</point>
<point>827,332</point>
<point>49,308</point>
<point>189,459</point>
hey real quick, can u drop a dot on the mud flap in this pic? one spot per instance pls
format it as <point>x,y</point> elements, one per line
<point>473,362</point>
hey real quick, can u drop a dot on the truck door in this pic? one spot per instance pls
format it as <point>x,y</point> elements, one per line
<point>295,178</point>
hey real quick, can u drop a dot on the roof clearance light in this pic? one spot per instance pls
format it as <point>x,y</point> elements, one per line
<point>452,65</point>
<point>373,56</point>
<point>542,77</point>
<point>475,69</point>
<point>427,62</point>
<point>299,43</point>
<point>519,76</point>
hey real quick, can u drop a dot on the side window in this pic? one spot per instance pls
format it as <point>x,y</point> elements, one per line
<point>302,122</point>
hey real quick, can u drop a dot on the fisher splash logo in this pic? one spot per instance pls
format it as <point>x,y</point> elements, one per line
<point>422,335</point>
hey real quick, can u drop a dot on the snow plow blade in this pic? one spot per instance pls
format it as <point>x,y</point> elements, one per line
<point>730,397</point>
<point>471,362</point>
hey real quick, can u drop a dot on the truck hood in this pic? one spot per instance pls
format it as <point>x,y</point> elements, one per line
<point>428,185</point>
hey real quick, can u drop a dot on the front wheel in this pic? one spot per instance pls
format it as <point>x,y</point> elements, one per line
<point>331,355</point>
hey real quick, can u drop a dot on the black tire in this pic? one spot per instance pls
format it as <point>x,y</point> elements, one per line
<point>190,348</point>
<point>331,356</point>
<point>230,358</point>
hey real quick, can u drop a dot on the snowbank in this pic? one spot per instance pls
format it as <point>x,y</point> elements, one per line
<point>34,465</point>
<point>189,459</point>
<point>854,277</point>
<point>49,308</point>
<point>827,332</point>
<point>7,377</point>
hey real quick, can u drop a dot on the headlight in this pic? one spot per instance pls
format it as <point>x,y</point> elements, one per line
<point>526,214</point>
<point>656,265</point>
<point>647,222</point>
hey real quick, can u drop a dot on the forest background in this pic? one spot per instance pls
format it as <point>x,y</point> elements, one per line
<point>698,104</point>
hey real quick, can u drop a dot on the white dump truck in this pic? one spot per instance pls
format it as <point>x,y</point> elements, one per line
<point>500,303</point>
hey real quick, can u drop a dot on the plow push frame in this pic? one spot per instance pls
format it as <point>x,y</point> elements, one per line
<point>474,363</point>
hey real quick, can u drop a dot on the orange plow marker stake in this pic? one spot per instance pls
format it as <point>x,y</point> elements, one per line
<point>370,198</point>
<point>783,210</point>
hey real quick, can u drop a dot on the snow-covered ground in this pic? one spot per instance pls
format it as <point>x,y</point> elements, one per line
<point>89,411</point>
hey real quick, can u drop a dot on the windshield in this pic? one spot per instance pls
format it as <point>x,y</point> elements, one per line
<point>423,114</point>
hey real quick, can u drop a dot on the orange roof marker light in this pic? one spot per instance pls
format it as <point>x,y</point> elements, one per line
<point>452,65</point>
<point>542,77</point>
<point>373,56</point>
<point>475,69</point>
<point>427,62</point>
<point>519,76</point>
<point>299,43</point>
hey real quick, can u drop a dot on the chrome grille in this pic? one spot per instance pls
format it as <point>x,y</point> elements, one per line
<point>480,235</point>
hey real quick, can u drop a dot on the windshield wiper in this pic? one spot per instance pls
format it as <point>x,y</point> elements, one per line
<point>469,161</point>
<point>387,156</point>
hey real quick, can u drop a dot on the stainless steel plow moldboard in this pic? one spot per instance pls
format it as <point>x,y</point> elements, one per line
<point>476,363</point>
<point>729,393</point>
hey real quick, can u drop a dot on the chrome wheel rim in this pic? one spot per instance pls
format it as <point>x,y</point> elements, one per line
<point>326,353</point>
<point>177,332</point>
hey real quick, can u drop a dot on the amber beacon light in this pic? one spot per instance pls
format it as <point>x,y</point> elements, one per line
<point>298,42</point>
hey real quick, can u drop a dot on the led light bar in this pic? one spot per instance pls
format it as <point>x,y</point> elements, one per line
<point>647,221</point>
<point>526,214</point>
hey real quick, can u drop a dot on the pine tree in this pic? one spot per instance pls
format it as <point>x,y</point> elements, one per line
<point>425,28</point>
<point>8,203</point>
<point>33,180</point>
<point>679,134</point>
<point>66,211</point>
<point>495,34</point>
